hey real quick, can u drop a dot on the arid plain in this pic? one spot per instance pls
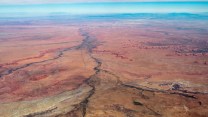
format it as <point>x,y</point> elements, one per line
<point>130,67</point>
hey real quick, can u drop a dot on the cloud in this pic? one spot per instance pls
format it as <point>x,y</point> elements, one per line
<point>75,1</point>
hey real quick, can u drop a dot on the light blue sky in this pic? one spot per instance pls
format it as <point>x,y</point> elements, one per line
<point>109,7</point>
<point>74,1</point>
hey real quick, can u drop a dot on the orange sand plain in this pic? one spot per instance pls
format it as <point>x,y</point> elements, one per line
<point>103,70</point>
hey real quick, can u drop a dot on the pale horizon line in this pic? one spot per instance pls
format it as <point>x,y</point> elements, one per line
<point>94,1</point>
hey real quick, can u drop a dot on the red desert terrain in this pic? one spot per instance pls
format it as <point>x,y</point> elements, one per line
<point>134,68</point>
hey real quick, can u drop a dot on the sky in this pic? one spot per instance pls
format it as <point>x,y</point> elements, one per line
<point>72,1</point>
<point>36,6</point>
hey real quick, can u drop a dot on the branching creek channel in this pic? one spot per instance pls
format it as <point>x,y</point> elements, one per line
<point>88,44</point>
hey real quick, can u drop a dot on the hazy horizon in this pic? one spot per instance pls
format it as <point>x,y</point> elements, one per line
<point>109,7</point>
